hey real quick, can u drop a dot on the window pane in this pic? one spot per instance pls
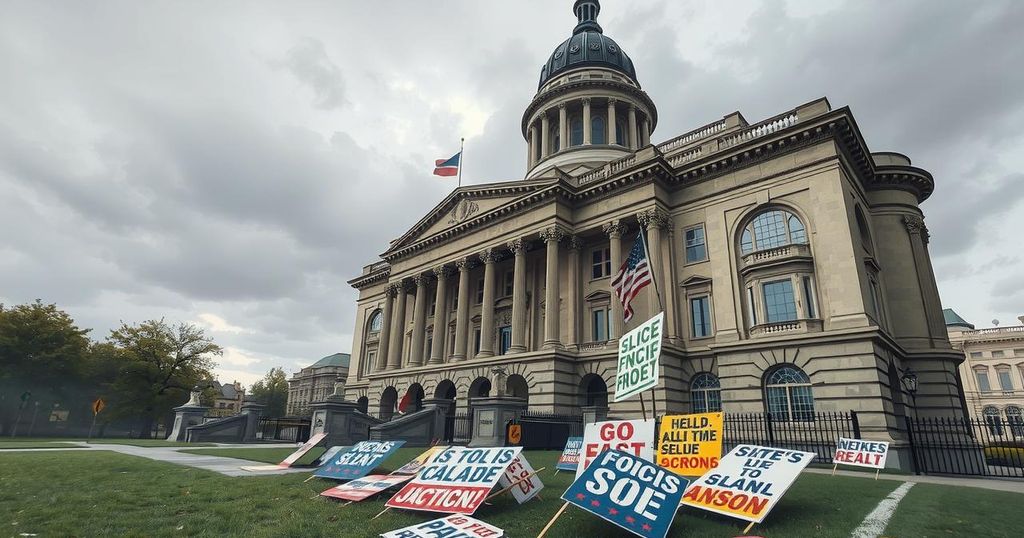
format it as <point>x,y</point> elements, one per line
<point>778,403</point>
<point>1004,380</point>
<point>620,133</point>
<point>809,297</point>
<point>480,291</point>
<point>576,131</point>
<point>699,401</point>
<point>700,317</point>
<point>600,325</point>
<point>983,385</point>
<point>751,306</point>
<point>696,248</point>
<point>779,303</point>
<point>770,230</point>
<point>608,261</point>
<point>803,403</point>
<point>598,131</point>
<point>797,234</point>
<point>746,243</point>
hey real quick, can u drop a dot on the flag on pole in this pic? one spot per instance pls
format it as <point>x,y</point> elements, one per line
<point>403,405</point>
<point>632,277</point>
<point>448,167</point>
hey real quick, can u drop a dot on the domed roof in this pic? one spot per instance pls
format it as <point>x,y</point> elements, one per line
<point>588,47</point>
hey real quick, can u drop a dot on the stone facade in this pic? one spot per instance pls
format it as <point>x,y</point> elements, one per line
<point>315,383</point>
<point>993,369</point>
<point>227,399</point>
<point>793,264</point>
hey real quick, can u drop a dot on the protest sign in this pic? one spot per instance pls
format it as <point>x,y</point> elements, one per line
<point>416,464</point>
<point>639,353</point>
<point>861,453</point>
<point>451,526</point>
<point>359,460</point>
<point>292,458</point>
<point>748,481</point>
<point>570,457</point>
<point>327,455</point>
<point>690,445</point>
<point>517,473</point>
<point>633,436</point>
<point>456,481</point>
<point>634,494</point>
<point>368,486</point>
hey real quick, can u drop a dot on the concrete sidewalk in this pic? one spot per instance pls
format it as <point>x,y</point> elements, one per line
<point>998,484</point>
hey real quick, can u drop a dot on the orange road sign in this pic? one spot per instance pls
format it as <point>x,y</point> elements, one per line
<point>515,434</point>
<point>98,406</point>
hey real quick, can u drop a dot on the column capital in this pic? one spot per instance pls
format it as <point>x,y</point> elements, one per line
<point>614,229</point>
<point>518,246</point>
<point>916,225</point>
<point>442,272</point>
<point>561,106</point>
<point>421,280</point>
<point>585,101</point>
<point>612,101</point>
<point>653,218</point>
<point>552,234</point>
<point>489,255</point>
<point>632,108</point>
<point>405,285</point>
<point>391,290</point>
<point>465,264</point>
<point>576,242</point>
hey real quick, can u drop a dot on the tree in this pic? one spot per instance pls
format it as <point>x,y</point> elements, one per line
<point>159,366</point>
<point>272,391</point>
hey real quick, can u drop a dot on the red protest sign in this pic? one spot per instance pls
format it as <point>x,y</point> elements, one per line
<point>455,482</point>
<point>368,486</point>
<point>632,436</point>
<point>294,457</point>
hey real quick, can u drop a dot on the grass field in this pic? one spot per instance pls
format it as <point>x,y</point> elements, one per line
<point>47,442</point>
<point>103,493</point>
<point>34,443</point>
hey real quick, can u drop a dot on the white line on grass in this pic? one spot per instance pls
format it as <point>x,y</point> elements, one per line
<point>875,522</point>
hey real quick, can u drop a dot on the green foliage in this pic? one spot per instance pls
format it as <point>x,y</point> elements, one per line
<point>1009,456</point>
<point>40,348</point>
<point>272,391</point>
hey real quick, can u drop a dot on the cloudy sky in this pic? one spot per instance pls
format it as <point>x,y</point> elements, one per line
<point>232,164</point>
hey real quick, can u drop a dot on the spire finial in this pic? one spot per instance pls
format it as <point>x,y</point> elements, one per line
<point>586,13</point>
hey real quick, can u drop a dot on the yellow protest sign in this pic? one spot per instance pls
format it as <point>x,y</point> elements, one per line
<point>690,445</point>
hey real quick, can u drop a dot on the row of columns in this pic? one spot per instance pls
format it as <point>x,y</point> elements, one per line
<point>638,134</point>
<point>390,349</point>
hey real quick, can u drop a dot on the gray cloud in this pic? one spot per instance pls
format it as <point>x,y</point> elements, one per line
<point>309,63</point>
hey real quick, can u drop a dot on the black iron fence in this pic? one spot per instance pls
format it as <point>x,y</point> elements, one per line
<point>295,430</point>
<point>817,432</point>
<point>458,428</point>
<point>548,431</point>
<point>964,446</point>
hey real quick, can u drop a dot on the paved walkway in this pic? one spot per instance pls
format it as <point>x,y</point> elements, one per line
<point>997,484</point>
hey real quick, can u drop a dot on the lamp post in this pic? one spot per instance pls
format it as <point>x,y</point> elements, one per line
<point>909,380</point>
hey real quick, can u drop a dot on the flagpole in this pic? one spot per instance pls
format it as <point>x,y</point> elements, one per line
<point>462,147</point>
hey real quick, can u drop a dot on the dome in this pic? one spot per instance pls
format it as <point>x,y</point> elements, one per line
<point>588,47</point>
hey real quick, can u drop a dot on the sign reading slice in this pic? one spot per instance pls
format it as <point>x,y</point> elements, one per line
<point>639,356</point>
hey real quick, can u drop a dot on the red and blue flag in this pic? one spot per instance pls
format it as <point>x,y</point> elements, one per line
<point>448,167</point>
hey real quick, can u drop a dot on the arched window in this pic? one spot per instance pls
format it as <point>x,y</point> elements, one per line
<point>993,420</point>
<point>705,393</point>
<point>576,131</point>
<point>376,319</point>
<point>1015,418</point>
<point>770,229</point>
<point>788,396</point>
<point>620,132</point>
<point>555,139</point>
<point>862,227</point>
<point>598,130</point>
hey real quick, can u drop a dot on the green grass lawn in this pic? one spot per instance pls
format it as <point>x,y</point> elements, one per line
<point>275,455</point>
<point>49,442</point>
<point>145,442</point>
<point>34,443</point>
<point>930,510</point>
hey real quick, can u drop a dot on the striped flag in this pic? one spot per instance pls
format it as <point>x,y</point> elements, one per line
<point>632,277</point>
<point>448,167</point>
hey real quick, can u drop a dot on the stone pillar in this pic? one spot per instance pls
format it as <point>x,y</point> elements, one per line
<point>518,248</point>
<point>488,256</point>
<point>632,127</point>
<point>545,135</point>
<point>490,415</point>
<point>419,321</point>
<point>462,310</point>
<point>563,127</point>
<point>671,298</point>
<point>594,413</point>
<point>552,335</point>
<point>189,414</point>
<point>645,132</point>
<point>614,229</point>
<point>440,315</point>
<point>398,329</point>
<point>532,160</point>
<point>587,139</point>
<point>252,412</point>
<point>573,294</point>
<point>385,330</point>
<point>611,122</point>
<point>654,220</point>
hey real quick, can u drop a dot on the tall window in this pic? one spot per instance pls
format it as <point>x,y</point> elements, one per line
<point>505,333</point>
<point>576,131</point>
<point>620,132</point>
<point>598,130</point>
<point>480,291</point>
<point>555,139</point>
<point>705,393</point>
<point>376,319</point>
<point>700,316</point>
<point>696,247</point>
<point>770,229</point>
<point>1005,382</point>
<point>601,263</point>
<point>809,295</point>
<point>509,283</point>
<point>779,303</point>
<point>788,395</point>
<point>599,322</point>
<point>476,338</point>
<point>993,420</point>
<point>1015,419</point>
<point>981,375</point>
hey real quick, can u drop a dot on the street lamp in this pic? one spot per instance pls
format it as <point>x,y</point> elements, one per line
<point>909,380</point>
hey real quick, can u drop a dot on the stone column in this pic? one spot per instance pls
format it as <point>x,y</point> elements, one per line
<point>552,337</point>
<point>533,145</point>
<point>671,297</point>
<point>645,132</point>
<point>611,122</point>
<point>384,347</point>
<point>614,229</point>
<point>462,310</point>
<point>587,139</point>
<point>489,257</point>
<point>573,294</point>
<point>654,220</point>
<point>563,127</point>
<point>545,136</point>
<point>398,329</point>
<point>632,127</point>
<point>518,248</point>
<point>419,321</point>
<point>440,315</point>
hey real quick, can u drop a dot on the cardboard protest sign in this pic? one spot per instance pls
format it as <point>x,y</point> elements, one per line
<point>456,482</point>
<point>306,447</point>
<point>861,453</point>
<point>690,445</point>
<point>368,486</point>
<point>633,436</point>
<point>634,494</point>
<point>417,463</point>
<point>748,482</point>
<point>327,455</point>
<point>570,457</point>
<point>639,353</point>
<point>359,460</point>
<point>451,526</point>
<point>519,469</point>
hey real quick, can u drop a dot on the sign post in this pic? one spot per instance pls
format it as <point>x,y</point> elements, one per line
<point>639,356</point>
<point>97,406</point>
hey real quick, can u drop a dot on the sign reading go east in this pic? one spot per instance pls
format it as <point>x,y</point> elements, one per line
<point>639,353</point>
<point>633,436</point>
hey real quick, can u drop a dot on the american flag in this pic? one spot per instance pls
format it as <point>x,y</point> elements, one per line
<point>632,277</point>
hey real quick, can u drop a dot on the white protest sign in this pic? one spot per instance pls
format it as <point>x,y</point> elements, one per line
<point>861,453</point>
<point>633,436</point>
<point>748,482</point>
<point>639,353</point>
<point>519,469</point>
<point>451,526</point>
<point>456,481</point>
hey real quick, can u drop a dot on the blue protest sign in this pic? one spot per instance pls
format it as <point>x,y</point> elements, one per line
<point>570,457</point>
<point>632,493</point>
<point>358,461</point>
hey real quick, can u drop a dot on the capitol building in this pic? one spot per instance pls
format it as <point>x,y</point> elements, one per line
<point>793,261</point>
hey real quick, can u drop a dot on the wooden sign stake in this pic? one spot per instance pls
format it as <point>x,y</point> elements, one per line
<point>552,522</point>
<point>746,530</point>
<point>381,513</point>
<point>876,473</point>
<point>312,476</point>
<point>527,477</point>
<point>834,469</point>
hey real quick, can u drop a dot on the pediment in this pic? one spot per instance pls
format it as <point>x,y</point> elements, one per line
<point>695,280</point>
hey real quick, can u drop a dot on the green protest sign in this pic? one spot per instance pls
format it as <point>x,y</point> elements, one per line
<point>639,353</point>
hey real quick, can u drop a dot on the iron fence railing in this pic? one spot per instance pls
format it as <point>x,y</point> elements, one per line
<point>990,446</point>
<point>295,430</point>
<point>816,432</point>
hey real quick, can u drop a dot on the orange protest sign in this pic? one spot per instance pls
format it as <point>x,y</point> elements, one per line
<point>98,406</point>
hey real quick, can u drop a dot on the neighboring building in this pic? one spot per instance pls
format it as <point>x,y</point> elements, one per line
<point>316,382</point>
<point>794,263</point>
<point>993,372</point>
<point>227,399</point>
